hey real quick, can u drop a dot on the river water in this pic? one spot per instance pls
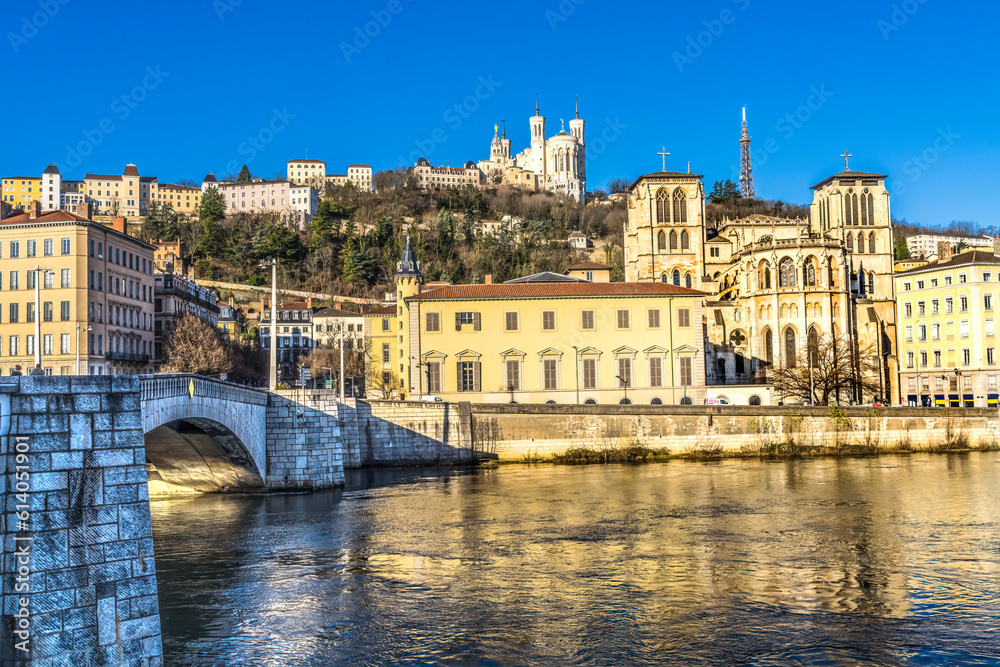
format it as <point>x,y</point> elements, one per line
<point>874,561</point>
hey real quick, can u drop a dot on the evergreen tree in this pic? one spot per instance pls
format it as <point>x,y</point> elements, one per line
<point>245,175</point>
<point>211,212</point>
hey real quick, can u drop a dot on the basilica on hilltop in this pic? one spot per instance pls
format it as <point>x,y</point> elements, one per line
<point>557,164</point>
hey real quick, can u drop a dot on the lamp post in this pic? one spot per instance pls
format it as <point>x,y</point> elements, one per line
<point>273,373</point>
<point>79,328</point>
<point>341,358</point>
<point>39,276</point>
<point>624,386</point>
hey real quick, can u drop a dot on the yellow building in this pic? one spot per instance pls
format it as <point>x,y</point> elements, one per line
<point>21,191</point>
<point>181,198</point>
<point>381,343</point>
<point>547,338</point>
<point>947,332</point>
<point>96,288</point>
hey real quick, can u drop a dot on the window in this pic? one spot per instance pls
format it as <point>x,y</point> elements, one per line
<point>963,304</point>
<point>923,359</point>
<point>386,325</point>
<point>991,356</point>
<point>920,284</point>
<point>673,241</point>
<point>964,328</point>
<point>686,374</point>
<point>937,358</point>
<point>47,247</point>
<point>949,305</point>
<point>13,349</point>
<point>661,241</point>
<point>786,274</point>
<point>512,374</point>
<point>434,377</point>
<point>65,246</point>
<point>935,307</point>
<point>655,371</point>
<point>589,373</point>
<point>988,302</point>
<point>32,248</point>
<point>14,313</point>
<point>922,332</point>
<point>64,278</point>
<point>988,327</point>
<point>683,318</point>
<point>623,319</point>
<point>47,344</point>
<point>966,356</point>
<point>386,356</point>
<point>14,280</point>
<point>587,320</point>
<point>511,321</point>
<point>653,318</point>
<point>909,359</point>
<point>947,280</point>
<point>548,320</point>
<point>936,331</point>
<point>921,309</point>
<point>624,376</point>
<point>906,287</point>
<point>909,333</point>
<point>550,374</point>
<point>908,309</point>
<point>962,278</point>
<point>468,376</point>
<point>64,344</point>
<point>433,322</point>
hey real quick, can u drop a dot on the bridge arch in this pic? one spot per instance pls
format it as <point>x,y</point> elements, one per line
<point>203,435</point>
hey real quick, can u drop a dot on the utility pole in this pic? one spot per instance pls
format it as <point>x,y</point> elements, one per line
<point>39,277</point>
<point>274,324</point>
<point>341,358</point>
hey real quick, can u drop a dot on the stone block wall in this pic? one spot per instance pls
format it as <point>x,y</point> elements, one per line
<point>90,576</point>
<point>516,432</point>
<point>384,433</point>
<point>304,442</point>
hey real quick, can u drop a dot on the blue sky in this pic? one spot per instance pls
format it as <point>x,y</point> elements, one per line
<point>181,88</point>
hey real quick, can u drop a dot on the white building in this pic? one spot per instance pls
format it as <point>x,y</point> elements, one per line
<point>296,203</point>
<point>305,203</point>
<point>558,164</point>
<point>307,172</point>
<point>926,245</point>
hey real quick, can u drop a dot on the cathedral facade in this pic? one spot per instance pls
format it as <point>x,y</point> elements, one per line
<point>780,287</point>
<point>557,164</point>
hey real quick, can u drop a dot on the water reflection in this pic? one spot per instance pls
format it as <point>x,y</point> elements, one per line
<point>886,561</point>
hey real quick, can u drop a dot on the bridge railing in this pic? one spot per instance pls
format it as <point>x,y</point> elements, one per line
<point>154,387</point>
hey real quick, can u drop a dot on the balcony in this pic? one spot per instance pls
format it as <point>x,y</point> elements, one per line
<point>127,356</point>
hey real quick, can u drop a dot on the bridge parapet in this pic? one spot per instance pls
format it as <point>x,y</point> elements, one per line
<point>153,387</point>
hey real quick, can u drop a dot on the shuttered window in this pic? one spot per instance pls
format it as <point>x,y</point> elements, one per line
<point>653,318</point>
<point>655,372</point>
<point>433,322</point>
<point>624,372</point>
<point>685,371</point>
<point>434,377</point>
<point>511,321</point>
<point>550,374</point>
<point>512,372</point>
<point>623,319</point>
<point>548,320</point>
<point>683,317</point>
<point>587,320</point>
<point>590,373</point>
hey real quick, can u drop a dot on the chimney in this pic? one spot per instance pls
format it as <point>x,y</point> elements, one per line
<point>118,224</point>
<point>338,306</point>
<point>944,252</point>
<point>488,279</point>
<point>996,245</point>
<point>82,209</point>
<point>309,301</point>
<point>34,210</point>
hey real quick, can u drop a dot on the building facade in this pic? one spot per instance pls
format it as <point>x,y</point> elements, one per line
<point>183,199</point>
<point>947,330</point>
<point>779,287</point>
<point>307,172</point>
<point>295,204</point>
<point>295,336</point>
<point>176,296</point>
<point>96,286</point>
<point>428,177</point>
<point>21,191</point>
<point>557,164</point>
<point>127,195</point>
<point>926,245</point>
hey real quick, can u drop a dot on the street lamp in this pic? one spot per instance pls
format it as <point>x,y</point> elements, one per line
<point>624,386</point>
<point>39,276</point>
<point>341,358</point>
<point>79,328</point>
<point>273,379</point>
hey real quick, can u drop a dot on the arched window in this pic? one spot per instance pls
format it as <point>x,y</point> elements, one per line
<point>854,208</point>
<point>687,400</point>
<point>661,241</point>
<point>754,400</point>
<point>871,243</point>
<point>871,283</point>
<point>789,348</point>
<point>677,277</point>
<point>687,281</point>
<point>861,242</point>
<point>685,241</point>
<point>662,207</point>
<point>850,243</point>
<point>656,401</point>
<point>786,273</point>
<point>810,274</point>
<point>767,277</point>
<point>590,401</point>
<point>848,220</point>
<point>768,347</point>
<point>673,241</point>
<point>680,206</point>
<point>864,209</point>
<point>663,278</point>
<point>813,347</point>
<point>871,209</point>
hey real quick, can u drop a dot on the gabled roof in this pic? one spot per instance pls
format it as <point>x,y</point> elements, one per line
<point>544,277</point>
<point>574,289</point>
<point>848,175</point>
<point>588,265</point>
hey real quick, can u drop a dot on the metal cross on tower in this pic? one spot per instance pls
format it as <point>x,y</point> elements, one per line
<point>746,168</point>
<point>846,155</point>
<point>664,153</point>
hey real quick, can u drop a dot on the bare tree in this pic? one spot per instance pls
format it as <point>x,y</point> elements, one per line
<point>194,346</point>
<point>830,367</point>
<point>617,185</point>
<point>186,182</point>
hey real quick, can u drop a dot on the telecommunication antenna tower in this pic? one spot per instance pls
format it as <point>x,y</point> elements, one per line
<point>746,168</point>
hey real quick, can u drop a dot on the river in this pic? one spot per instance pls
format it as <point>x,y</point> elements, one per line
<point>878,561</point>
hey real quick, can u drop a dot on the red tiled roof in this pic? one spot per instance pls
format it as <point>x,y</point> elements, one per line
<point>54,216</point>
<point>366,166</point>
<point>554,290</point>
<point>383,310</point>
<point>587,265</point>
<point>130,170</point>
<point>294,305</point>
<point>962,259</point>
<point>310,161</point>
<point>102,177</point>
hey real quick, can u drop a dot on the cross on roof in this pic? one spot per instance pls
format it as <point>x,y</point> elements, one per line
<point>846,155</point>
<point>664,153</point>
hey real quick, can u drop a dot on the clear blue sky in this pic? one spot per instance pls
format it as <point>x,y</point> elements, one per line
<point>908,87</point>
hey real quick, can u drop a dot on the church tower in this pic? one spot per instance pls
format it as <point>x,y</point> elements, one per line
<point>576,128</point>
<point>538,163</point>
<point>408,281</point>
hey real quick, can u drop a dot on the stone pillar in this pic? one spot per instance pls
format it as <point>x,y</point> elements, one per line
<point>86,593</point>
<point>304,449</point>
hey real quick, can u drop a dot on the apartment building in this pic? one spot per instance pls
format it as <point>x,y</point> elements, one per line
<point>21,191</point>
<point>183,199</point>
<point>295,335</point>
<point>95,309</point>
<point>175,296</point>
<point>947,334</point>
<point>430,178</point>
<point>127,195</point>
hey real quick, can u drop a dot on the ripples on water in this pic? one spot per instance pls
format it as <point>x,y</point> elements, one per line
<point>887,561</point>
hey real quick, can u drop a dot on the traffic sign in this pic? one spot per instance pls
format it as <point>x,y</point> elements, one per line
<point>223,376</point>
